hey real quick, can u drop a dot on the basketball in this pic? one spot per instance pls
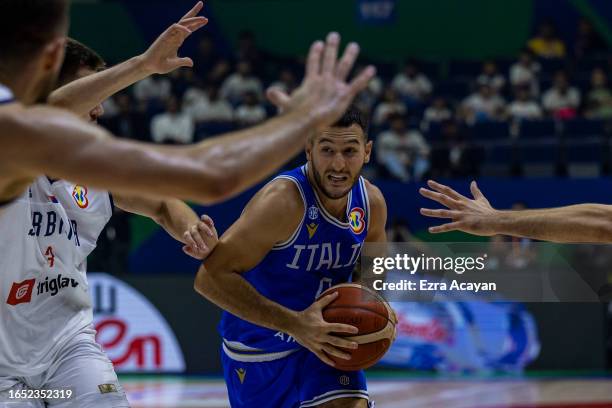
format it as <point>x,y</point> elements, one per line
<point>371,314</point>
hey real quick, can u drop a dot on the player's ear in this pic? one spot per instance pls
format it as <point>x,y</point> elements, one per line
<point>368,151</point>
<point>309,146</point>
<point>53,54</point>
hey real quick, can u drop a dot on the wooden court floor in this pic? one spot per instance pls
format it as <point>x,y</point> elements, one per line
<point>177,392</point>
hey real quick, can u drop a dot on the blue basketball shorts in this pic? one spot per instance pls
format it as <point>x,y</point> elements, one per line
<point>298,380</point>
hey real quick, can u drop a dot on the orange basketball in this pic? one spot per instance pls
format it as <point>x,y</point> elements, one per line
<point>363,308</point>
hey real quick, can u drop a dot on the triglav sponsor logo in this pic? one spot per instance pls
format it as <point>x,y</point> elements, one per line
<point>21,292</point>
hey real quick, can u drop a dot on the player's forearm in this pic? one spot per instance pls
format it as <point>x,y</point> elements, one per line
<point>84,94</point>
<point>176,217</point>
<point>247,157</point>
<point>233,293</point>
<point>135,168</point>
<point>576,223</point>
<point>206,173</point>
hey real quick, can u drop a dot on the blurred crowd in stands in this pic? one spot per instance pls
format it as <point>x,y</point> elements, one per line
<point>546,112</point>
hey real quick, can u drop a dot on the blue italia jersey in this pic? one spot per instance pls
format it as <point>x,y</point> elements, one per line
<point>322,252</point>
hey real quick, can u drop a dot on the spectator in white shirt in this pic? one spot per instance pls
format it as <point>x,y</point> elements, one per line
<point>390,104</point>
<point>562,100</point>
<point>411,84</point>
<point>525,72</point>
<point>436,113</point>
<point>490,76</point>
<point>367,98</point>
<point>195,102</point>
<point>402,152</point>
<point>599,97</point>
<point>286,81</point>
<point>172,126</point>
<point>482,106</point>
<point>218,110</point>
<point>241,82</point>
<point>524,107</point>
<point>154,88</point>
<point>251,111</point>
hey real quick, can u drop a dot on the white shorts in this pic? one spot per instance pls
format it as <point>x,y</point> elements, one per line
<point>82,367</point>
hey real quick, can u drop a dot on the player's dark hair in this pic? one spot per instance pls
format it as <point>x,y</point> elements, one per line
<point>28,25</point>
<point>355,116</point>
<point>79,56</point>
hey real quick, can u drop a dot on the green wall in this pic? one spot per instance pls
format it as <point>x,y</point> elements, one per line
<point>427,29</point>
<point>432,29</point>
<point>108,28</point>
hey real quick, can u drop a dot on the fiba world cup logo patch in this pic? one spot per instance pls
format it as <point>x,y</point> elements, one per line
<point>357,220</point>
<point>80,196</point>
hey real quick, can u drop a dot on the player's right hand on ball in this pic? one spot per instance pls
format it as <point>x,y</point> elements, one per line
<point>325,93</point>
<point>314,333</point>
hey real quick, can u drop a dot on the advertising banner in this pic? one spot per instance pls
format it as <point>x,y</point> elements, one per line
<point>133,333</point>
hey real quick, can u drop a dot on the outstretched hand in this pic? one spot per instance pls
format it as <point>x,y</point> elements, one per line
<point>473,216</point>
<point>325,93</point>
<point>162,56</point>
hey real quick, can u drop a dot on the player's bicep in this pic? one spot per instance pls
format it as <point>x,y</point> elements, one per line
<point>241,248</point>
<point>271,217</point>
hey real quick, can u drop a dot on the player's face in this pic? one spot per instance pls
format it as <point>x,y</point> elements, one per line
<point>336,157</point>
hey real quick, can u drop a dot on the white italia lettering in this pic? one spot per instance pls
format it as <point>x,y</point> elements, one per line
<point>327,257</point>
<point>296,258</point>
<point>338,263</point>
<point>356,251</point>
<point>313,249</point>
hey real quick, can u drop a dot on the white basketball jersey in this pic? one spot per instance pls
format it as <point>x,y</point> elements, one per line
<point>45,238</point>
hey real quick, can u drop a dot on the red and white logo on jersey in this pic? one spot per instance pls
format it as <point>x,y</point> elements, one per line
<point>357,220</point>
<point>21,292</point>
<point>80,196</point>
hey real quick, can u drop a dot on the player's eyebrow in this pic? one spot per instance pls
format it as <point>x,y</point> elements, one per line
<point>349,141</point>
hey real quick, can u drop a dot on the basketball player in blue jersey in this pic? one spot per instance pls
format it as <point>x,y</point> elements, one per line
<point>299,235</point>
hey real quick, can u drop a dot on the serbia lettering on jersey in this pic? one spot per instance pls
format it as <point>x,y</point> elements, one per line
<point>47,234</point>
<point>63,212</point>
<point>322,252</point>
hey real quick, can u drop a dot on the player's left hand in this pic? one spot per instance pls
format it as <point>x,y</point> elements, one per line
<point>162,56</point>
<point>200,238</point>
<point>473,216</point>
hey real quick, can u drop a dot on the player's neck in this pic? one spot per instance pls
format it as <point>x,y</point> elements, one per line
<point>335,206</point>
<point>19,81</point>
<point>19,86</point>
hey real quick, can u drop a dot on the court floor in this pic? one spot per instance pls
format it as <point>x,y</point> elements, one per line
<point>178,392</point>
